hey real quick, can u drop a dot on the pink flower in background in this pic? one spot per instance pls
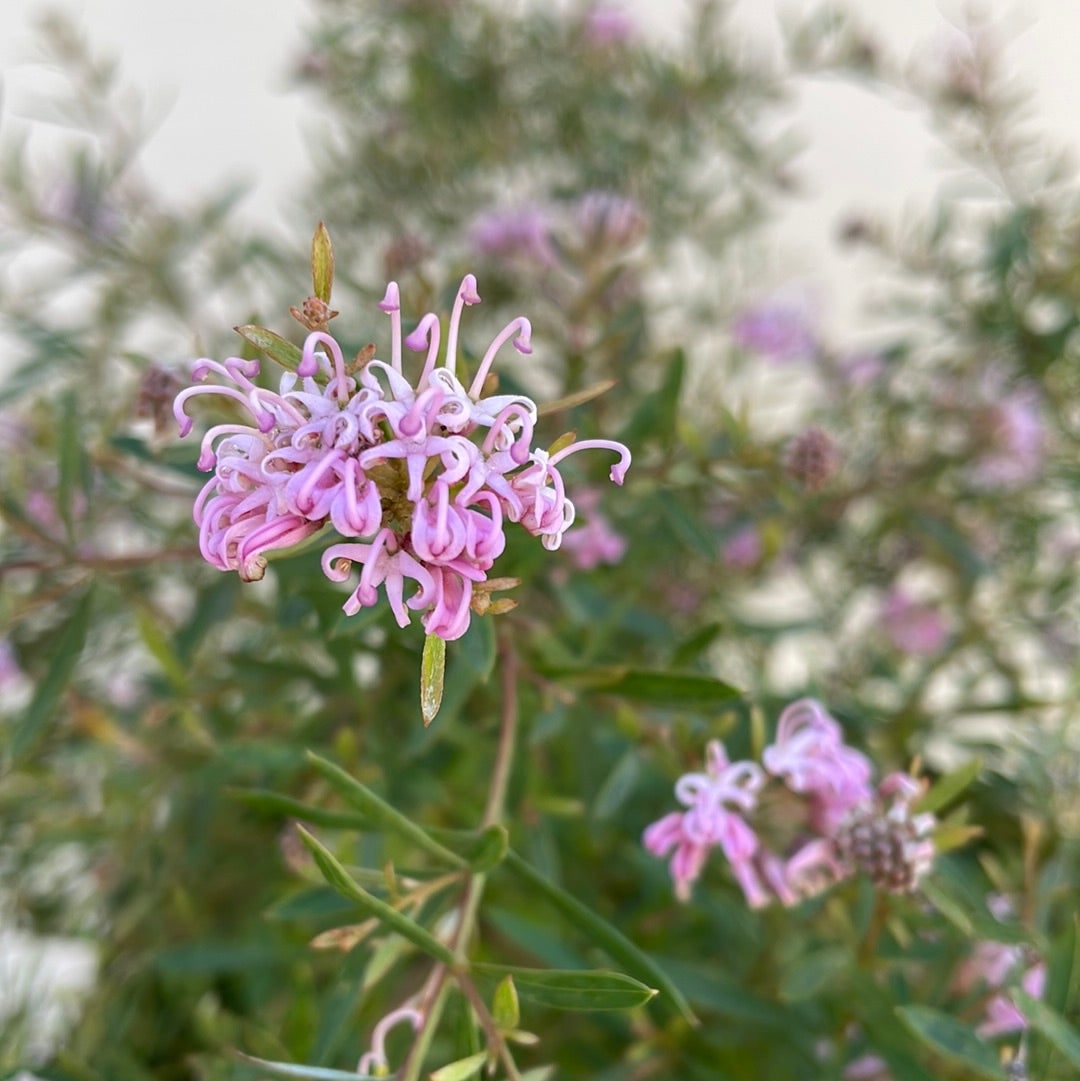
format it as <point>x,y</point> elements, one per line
<point>838,826</point>
<point>1014,431</point>
<point>810,755</point>
<point>779,329</point>
<point>917,629</point>
<point>11,675</point>
<point>862,368</point>
<point>607,25</point>
<point>420,478</point>
<point>744,548</point>
<point>523,234</point>
<point>994,966</point>
<point>867,1068</point>
<point>595,541</point>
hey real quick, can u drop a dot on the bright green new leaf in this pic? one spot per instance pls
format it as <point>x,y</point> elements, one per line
<point>432,671</point>
<point>505,1008</point>
<point>952,1040</point>
<point>339,878</point>
<point>460,1070</point>
<point>322,264</point>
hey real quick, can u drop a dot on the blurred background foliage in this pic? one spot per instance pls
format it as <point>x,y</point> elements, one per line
<point>893,530</point>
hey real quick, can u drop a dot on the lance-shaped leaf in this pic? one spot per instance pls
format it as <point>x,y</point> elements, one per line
<point>65,656</point>
<point>657,688</point>
<point>948,788</point>
<point>462,1069</point>
<point>432,671</point>
<point>340,879</point>
<point>381,814</point>
<point>322,264</point>
<point>304,1073</point>
<point>569,989</point>
<point>278,349</point>
<point>608,938</point>
<point>278,806</point>
<point>504,1004</point>
<point>952,1040</point>
<point>1051,1024</point>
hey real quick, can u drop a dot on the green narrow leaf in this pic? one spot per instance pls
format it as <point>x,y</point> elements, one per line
<point>271,803</point>
<point>1051,1024</point>
<point>462,1069</point>
<point>570,401</point>
<point>310,1073</point>
<point>50,690</point>
<point>432,670</point>
<point>161,648</point>
<point>322,263</point>
<point>947,788</point>
<point>380,813</point>
<point>658,688</point>
<point>505,1008</point>
<point>339,878</point>
<point>477,648</point>
<point>277,348</point>
<point>608,938</point>
<point>566,989</point>
<point>952,1040</point>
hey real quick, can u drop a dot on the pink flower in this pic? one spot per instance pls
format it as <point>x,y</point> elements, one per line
<point>810,755</point>
<point>778,329</point>
<point>993,966</point>
<point>523,234</point>
<point>608,220</point>
<point>912,628</point>
<point>606,25</point>
<point>596,541</point>
<point>1014,430</point>
<point>743,549</point>
<point>419,478</point>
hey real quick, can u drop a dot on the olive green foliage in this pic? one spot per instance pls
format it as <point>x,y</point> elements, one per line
<point>203,777</point>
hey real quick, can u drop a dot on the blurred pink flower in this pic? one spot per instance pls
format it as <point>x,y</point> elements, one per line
<point>594,541</point>
<point>861,368</point>
<point>11,675</point>
<point>607,25</point>
<point>1014,430</point>
<point>913,628</point>
<point>994,966</point>
<point>523,234</point>
<point>609,220</point>
<point>778,329</point>
<point>744,548</point>
<point>867,1068</point>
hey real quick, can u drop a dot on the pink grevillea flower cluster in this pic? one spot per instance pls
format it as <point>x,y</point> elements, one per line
<point>837,824</point>
<point>420,479</point>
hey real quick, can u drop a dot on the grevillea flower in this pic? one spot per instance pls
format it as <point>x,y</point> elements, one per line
<point>374,1063</point>
<point>795,827</point>
<point>596,541</point>
<point>914,628</point>
<point>419,479</point>
<point>523,235</point>
<point>779,329</point>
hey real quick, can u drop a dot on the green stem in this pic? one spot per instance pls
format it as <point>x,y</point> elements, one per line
<point>433,997</point>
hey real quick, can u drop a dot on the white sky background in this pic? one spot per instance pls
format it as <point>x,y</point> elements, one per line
<point>215,75</point>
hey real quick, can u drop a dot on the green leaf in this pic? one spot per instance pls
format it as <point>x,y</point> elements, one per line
<point>601,934</point>
<point>460,1070</point>
<point>339,878</point>
<point>380,814</point>
<point>310,1073</point>
<point>657,413</point>
<point>658,688</point>
<point>1051,1024</point>
<point>564,989</point>
<point>504,1004</point>
<point>70,464</point>
<point>476,647</point>
<point>50,690</point>
<point>618,786</point>
<point>948,788</point>
<point>278,806</point>
<point>952,1040</point>
<point>322,263</point>
<point>277,348</point>
<point>811,974</point>
<point>432,670</point>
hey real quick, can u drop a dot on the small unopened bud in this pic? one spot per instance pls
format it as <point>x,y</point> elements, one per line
<point>891,847</point>
<point>314,313</point>
<point>811,459</point>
